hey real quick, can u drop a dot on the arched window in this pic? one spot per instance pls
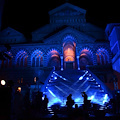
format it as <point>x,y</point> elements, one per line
<point>86,58</point>
<point>54,59</point>
<point>21,59</point>
<point>37,59</point>
<point>69,47</point>
<point>8,60</point>
<point>102,56</point>
<point>69,52</point>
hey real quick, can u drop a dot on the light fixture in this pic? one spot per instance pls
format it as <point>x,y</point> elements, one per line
<point>34,79</point>
<point>81,78</point>
<point>87,78</point>
<point>19,89</point>
<point>3,82</point>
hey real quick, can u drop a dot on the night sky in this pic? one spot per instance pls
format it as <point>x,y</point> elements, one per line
<point>27,16</point>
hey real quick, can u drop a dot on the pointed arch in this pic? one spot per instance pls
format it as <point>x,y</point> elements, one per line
<point>53,58</point>
<point>85,58</point>
<point>102,56</point>
<point>8,62</point>
<point>21,59</point>
<point>37,59</point>
<point>69,48</point>
<point>69,52</point>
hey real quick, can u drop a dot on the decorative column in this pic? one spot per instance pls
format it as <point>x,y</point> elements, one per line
<point>45,60</point>
<point>104,59</point>
<point>100,59</point>
<point>29,61</point>
<point>95,59</point>
<point>61,62</point>
<point>78,63</point>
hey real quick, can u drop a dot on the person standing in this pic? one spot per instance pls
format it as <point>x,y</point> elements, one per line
<point>70,102</point>
<point>85,99</point>
<point>45,103</point>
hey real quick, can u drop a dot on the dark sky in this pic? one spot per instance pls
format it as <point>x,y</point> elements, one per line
<point>27,16</point>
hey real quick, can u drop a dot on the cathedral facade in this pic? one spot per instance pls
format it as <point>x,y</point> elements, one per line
<point>67,42</point>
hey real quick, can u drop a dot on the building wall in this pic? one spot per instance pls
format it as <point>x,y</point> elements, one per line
<point>52,43</point>
<point>45,49</point>
<point>113,29</point>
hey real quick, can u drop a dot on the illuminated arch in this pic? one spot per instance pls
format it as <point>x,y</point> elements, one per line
<point>8,61</point>
<point>85,58</point>
<point>37,59</point>
<point>102,56</point>
<point>53,58</point>
<point>69,47</point>
<point>21,59</point>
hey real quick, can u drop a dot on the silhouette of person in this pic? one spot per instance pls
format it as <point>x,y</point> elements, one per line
<point>84,95</point>
<point>70,102</point>
<point>38,100</point>
<point>18,105</point>
<point>45,102</point>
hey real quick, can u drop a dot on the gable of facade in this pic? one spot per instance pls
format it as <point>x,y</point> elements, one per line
<point>10,35</point>
<point>67,15</point>
<point>77,36</point>
<point>67,41</point>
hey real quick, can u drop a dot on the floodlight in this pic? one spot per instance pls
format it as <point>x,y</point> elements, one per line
<point>3,82</point>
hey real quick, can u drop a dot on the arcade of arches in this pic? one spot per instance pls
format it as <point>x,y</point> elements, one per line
<point>69,60</point>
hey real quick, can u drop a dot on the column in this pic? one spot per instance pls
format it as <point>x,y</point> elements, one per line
<point>45,60</point>
<point>95,62</point>
<point>104,59</point>
<point>78,63</point>
<point>61,62</point>
<point>100,59</point>
<point>29,61</point>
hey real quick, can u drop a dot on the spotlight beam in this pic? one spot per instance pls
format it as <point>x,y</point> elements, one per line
<point>82,84</point>
<point>105,98</point>
<point>93,96</point>
<point>80,78</point>
<point>61,77</point>
<point>67,86</point>
<point>87,88</point>
<point>85,74</point>
<point>51,93</point>
<point>60,89</point>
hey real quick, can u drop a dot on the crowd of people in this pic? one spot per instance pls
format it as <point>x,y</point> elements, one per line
<point>23,107</point>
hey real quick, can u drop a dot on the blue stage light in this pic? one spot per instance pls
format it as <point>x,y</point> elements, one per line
<point>51,93</point>
<point>80,78</point>
<point>54,101</point>
<point>77,100</point>
<point>87,78</point>
<point>98,85</point>
<point>91,97</point>
<point>89,74</point>
<point>55,77</point>
<point>64,78</point>
<point>52,75</point>
<point>60,76</point>
<point>105,99</point>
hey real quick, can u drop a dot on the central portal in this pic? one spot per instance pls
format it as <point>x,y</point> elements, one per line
<point>69,65</point>
<point>69,48</point>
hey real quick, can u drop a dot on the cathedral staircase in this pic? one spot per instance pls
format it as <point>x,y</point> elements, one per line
<point>63,83</point>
